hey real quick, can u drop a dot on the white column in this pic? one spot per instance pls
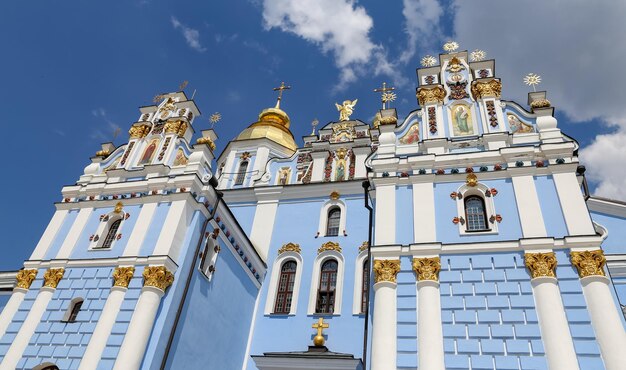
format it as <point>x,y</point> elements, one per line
<point>319,162</point>
<point>573,204</point>
<point>93,353</point>
<point>171,238</point>
<point>226,173</point>
<point>48,235</point>
<point>263,226</point>
<point>424,230</point>
<point>528,206</point>
<point>156,280</point>
<point>14,354</point>
<point>6,316</point>
<point>385,216</point>
<point>74,233</point>
<point>384,317</point>
<point>140,230</point>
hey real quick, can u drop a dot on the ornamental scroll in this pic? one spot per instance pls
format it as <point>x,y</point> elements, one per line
<point>541,264</point>
<point>386,270</point>
<point>589,263</point>
<point>52,277</point>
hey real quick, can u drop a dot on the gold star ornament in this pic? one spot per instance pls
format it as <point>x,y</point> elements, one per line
<point>428,61</point>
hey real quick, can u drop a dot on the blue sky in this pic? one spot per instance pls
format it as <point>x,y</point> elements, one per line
<point>75,71</point>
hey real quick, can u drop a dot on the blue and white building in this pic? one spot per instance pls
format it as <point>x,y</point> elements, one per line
<point>461,237</point>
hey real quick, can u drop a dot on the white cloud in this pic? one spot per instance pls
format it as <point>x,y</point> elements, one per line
<point>422,18</point>
<point>578,49</point>
<point>192,36</point>
<point>99,133</point>
<point>338,27</point>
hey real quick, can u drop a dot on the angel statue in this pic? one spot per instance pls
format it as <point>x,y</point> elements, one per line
<point>345,109</point>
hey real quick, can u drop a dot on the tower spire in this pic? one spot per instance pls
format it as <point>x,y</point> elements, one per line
<point>280,90</point>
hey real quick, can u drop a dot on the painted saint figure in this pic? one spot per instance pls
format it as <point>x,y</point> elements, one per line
<point>517,126</point>
<point>412,135</point>
<point>461,118</point>
<point>147,154</point>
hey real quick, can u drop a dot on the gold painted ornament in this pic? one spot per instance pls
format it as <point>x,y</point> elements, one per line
<point>427,268</point>
<point>25,278</point>
<point>122,276</point>
<point>386,270</point>
<point>541,264</point>
<point>589,263</point>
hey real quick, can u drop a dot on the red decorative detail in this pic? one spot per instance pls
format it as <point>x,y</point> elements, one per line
<point>91,197</point>
<point>430,79</point>
<point>453,195</point>
<point>491,113</point>
<point>115,196</point>
<point>211,268</point>
<point>91,237</point>
<point>469,170</point>
<point>432,120</point>
<point>441,171</point>
<point>456,220</point>
<point>66,200</point>
<point>328,167</point>
<point>458,90</point>
<point>182,190</point>
<point>118,237</point>
<point>216,232</point>
<point>304,167</point>
<point>352,164</point>
<point>126,216</point>
<point>217,249</point>
<point>540,164</point>
<point>404,174</point>
<point>497,167</point>
<point>127,153</point>
<point>155,192</point>
<point>166,144</point>
<point>132,195</point>
<point>495,218</point>
<point>494,191</point>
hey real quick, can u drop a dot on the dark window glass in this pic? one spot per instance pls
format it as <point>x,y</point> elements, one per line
<point>366,278</point>
<point>284,294</point>
<point>75,310</point>
<point>241,174</point>
<point>475,213</point>
<point>111,234</point>
<point>332,224</point>
<point>326,290</point>
<point>51,367</point>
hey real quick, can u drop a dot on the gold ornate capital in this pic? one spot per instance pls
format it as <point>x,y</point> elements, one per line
<point>541,264</point>
<point>158,277</point>
<point>431,95</point>
<point>177,127</point>
<point>540,103</point>
<point>290,247</point>
<point>122,276</point>
<point>427,268</point>
<point>25,278</point>
<point>364,246</point>
<point>207,141</point>
<point>334,195</point>
<point>329,246</point>
<point>589,263</point>
<point>52,277</point>
<point>386,270</point>
<point>139,130</point>
<point>491,89</point>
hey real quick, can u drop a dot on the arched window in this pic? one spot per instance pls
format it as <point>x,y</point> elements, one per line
<point>475,214</point>
<point>46,366</point>
<point>73,310</point>
<point>332,223</point>
<point>284,294</point>
<point>111,234</point>
<point>241,174</point>
<point>326,289</point>
<point>366,275</point>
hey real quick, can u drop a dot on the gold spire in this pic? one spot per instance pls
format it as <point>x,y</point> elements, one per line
<point>280,90</point>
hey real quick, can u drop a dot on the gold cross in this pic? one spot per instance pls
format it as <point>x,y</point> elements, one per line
<point>280,90</point>
<point>383,90</point>
<point>320,325</point>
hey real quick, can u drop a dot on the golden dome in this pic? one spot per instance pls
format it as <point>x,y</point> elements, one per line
<point>273,124</point>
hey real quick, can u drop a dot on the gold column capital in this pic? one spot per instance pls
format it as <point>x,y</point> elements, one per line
<point>491,88</point>
<point>52,277</point>
<point>157,276</point>
<point>541,264</point>
<point>25,278</point>
<point>589,263</point>
<point>386,270</point>
<point>427,268</point>
<point>122,276</point>
<point>427,95</point>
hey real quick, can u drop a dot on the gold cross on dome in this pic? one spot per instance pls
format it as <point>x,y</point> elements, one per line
<point>280,90</point>
<point>386,95</point>
<point>320,325</point>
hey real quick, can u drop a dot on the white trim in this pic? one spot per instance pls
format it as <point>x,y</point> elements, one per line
<point>48,235</point>
<point>490,209</point>
<point>324,217</point>
<point>103,230</point>
<point>573,204</point>
<point>139,232</point>
<point>74,233</point>
<point>424,228</point>
<point>358,283</point>
<point>528,207</point>
<point>315,277</point>
<point>273,285</point>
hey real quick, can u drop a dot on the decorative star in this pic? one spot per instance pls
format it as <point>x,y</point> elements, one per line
<point>388,96</point>
<point>450,46</point>
<point>215,118</point>
<point>477,55</point>
<point>428,61</point>
<point>532,79</point>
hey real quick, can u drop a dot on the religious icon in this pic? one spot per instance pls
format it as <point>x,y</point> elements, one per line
<point>517,126</point>
<point>340,167</point>
<point>462,121</point>
<point>412,135</point>
<point>149,152</point>
<point>283,176</point>
<point>181,159</point>
<point>346,109</point>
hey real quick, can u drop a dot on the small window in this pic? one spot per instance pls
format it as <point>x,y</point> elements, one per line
<point>241,174</point>
<point>475,214</point>
<point>327,286</point>
<point>332,224</point>
<point>366,275</point>
<point>284,294</point>
<point>73,310</point>
<point>111,234</point>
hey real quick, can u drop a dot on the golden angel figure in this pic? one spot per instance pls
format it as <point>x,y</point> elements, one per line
<point>346,109</point>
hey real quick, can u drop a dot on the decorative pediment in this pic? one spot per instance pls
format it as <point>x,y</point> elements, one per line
<point>329,246</point>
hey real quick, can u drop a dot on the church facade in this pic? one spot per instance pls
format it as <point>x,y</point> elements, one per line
<point>461,237</point>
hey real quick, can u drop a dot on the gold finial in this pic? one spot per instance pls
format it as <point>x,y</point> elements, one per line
<point>428,61</point>
<point>471,180</point>
<point>320,325</point>
<point>122,276</point>
<point>25,278</point>
<point>345,109</point>
<point>215,118</point>
<point>334,195</point>
<point>451,46</point>
<point>157,277</point>
<point>314,123</point>
<point>52,277</point>
<point>589,263</point>
<point>386,95</point>
<point>157,98</point>
<point>478,55</point>
<point>386,270</point>
<point>118,207</point>
<point>182,86</point>
<point>280,90</point>
<point>541,264</point>
<point>427,268</point>
<point>532,79</point>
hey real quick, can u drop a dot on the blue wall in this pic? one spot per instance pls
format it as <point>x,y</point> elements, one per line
<point>244,213</point>
<point>404,215</point>
<point>614,243</point>
<point>550,207</point>
<point>156,224</point>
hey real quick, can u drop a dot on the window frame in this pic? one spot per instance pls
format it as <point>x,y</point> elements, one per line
<point>324,213</point>
<point>334,215</point>
<point>272,289</point>
<point>331,291</point>
<point>240,177</point>
<point>103,231</point>
<point>359,288</point>
<point>71,313</point>
<point>484,213</point>
<point>490,210</point>
<point>315,280</point>
<point>287,292</point>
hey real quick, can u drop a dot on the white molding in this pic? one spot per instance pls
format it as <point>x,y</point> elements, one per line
<point>273,284</point>
<point>358,283</point>
<point>321,231</point>
<point>490,209</point>
<point>424,220</point>
<point>98,262</point>
<point>74,233</point>
<point>574,208</point>
<point>385,215</point>
<point>139,232</point>
<point>315,281</point>
<point>607,206</point>
<point>49,234</point>
<point>263,226</point>
<point>528,207</point>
